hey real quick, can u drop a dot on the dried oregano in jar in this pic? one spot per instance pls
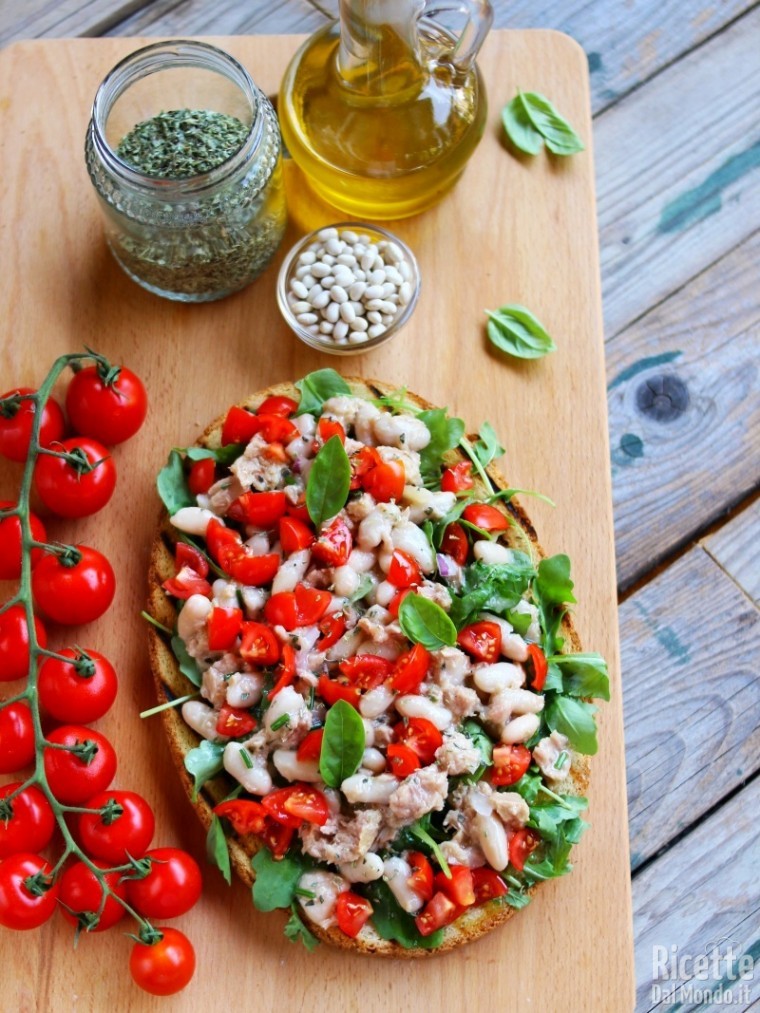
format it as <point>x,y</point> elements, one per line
<point>184,152</point>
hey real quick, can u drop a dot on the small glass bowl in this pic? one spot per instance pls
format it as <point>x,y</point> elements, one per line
<point>402,255</point>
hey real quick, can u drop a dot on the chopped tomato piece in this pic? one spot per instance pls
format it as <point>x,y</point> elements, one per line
<point>253,571</point>
<point>385,481</point>
<point>361,463</point>
<point>330,427</point>
<point>259,645</point>
<point>187,583</point>
<point>246,817</point>
<point>281,610</point>
<point>521,844</point>
<point>395,603</point>
<point>481,640</point>
<point>458,477</point>
<point>486,517</point>
<point>421,879</point>
<point>239,426</point>
<point>296,804</point>
<point>295,535</point>
<point>420,735</point>
<point>234,722</point>
<point>311,604</point>
<point>332,628</point>
<point>437,913</point>
<point>403,571</point>
<point>223,627</point>
<point>509,765</point>
<point>366,671</point>
<point>331,691</point>
<point>351,912</point>
<point>487,884</point>
<point>261,509</point>
<point>222,542</point>
<point>333,547</point>
<point>402,760</point>
<point>540,667</point>
<point>410,669</point>
<point>310,747</point>
<point>277,404</point>
<point>298,510</point>
<point>455,544</point>
<point>286,673</point>
<point>202,476</point>
<point>459,887</point>
<point>188,555</point>
<point>277,837</point>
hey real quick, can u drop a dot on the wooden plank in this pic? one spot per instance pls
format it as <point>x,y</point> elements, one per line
<point>679,173</point>
<point>690,698</point>
<point>736,548</point>
<point>167,18</point>
<point>29,19</point>
<point>702,896</point>
<point>62,288</point>
<point>680,460</point>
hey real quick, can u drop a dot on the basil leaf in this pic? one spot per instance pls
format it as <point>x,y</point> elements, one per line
<point>172,485</point>
<point>519,127</point>
<point>187,665</point>
<point>216,849</point>
<point>318,387</point>
<point>391,922</point>
<point>203,763</point>
<point>276,880</point>
<point>560,137</point>
<point>328,483</point>
<point>296,931</point>
<point>487,447</point>
<point>516,331</point>
<point>222,455</point>
<point>342,744</point>
<point>575,719</point>
<point>583,674</point>
<point>424,622</point>
<point>445,434</point>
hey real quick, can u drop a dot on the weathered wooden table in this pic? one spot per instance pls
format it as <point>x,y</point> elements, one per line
<point>675,91</point>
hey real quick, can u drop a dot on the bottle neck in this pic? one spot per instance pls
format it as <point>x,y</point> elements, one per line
<point>379,52</point>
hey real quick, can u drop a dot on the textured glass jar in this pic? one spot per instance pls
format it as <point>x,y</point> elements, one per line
<point>203,236</point>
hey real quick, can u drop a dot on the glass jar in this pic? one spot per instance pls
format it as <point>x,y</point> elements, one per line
<point>200,230</point>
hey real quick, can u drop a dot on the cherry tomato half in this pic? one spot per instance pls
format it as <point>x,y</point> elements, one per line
<point>107,403</point>
<point>402,760</point>
<point>310,746</point>
<point>10,542</point>
<point>297,803</point>
<point>404,570</point>
<point>521,844</point>
<point>81,896</point>
<point>202,476</point>
<point>124,826</point>
<point>481,640</point>
<point>164,967</point>
<point>295,535</point>
<point>29,825</point>
<point>258,644</point>
<point>410,669</point>
<point>79,486</point>
<point>223,626</point>
<point>487,884</point>
<point>421,879</point>
<point>385,481</point>
<point>457,887</point>
<point>326,428</point>
<point>509,765</point>
<point>171,887</point>
<point>485,516</point>
<point>437,913</point>
<point>352,912</point>
<point>455,544</point>
<point>333,547</point>
<point>331,691</point>
<point>261,509</point>
<point>16,419</point>
<point>458,477</point>
<point>234,722</point>
<point>540,668</point>
<point>245,815</point>
<point>14,642</point>
<point>420,735</point>
<point>277,404</point>
<point>80,690</point>
<point>366,671</point>
<point>75,776</point>
<point>27,898</point>
<point>16,737</point>
<point>332,627</point>
<point>76,592</point>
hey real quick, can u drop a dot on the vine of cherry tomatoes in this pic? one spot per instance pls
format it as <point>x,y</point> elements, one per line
<point>106,868</point>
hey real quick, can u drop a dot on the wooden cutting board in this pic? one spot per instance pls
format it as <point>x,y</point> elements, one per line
<point>515,230</point>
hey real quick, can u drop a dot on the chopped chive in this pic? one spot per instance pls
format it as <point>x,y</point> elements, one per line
<point>561,760</point>
<point>167,705</point>
<point>280,722</point>
<point>246,757</point>
<point>299,892</point>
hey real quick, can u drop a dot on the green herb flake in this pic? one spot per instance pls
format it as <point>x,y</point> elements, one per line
<point>515,330</point>
<point>181,143</point>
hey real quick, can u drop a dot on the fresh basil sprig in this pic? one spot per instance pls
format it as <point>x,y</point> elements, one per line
<point>424,622</point>
<point>318,387</point>
<point>530,120</point>
<point>329,482</point>
<point>342,744</point>
<point>172,485</point>
<point>515,330</point>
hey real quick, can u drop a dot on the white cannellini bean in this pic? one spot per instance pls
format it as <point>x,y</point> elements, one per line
<point>287,701</point>
<point>396,873</point>
<point>193,616</point>
<point>522,701</point>
<point>501,675</point>
<point>362,561</point>
<point>492,838</point>
<point>255,779</point>
<point>513,646</point>
<point>325,888</point>
<point>364,870</point>
<point>520,729</point>
<point>193,520</point>
<point>369,733</point>
<point>415,706</point>
<point>292,769</point>
<point>364,788</point>
<point>201,718</point>
<point>375,702</point>
<point>292,571</point>
<point>345,581</point>
<point>385,592</point>
<point>411,539</point>
<point>492,553</point>
<point>373,760</point>
<point>244,689</point>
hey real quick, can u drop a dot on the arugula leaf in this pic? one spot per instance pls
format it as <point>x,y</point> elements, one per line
<point>328,483</point>
<point>582,674</point>
<point>553,679</point>
<point>482,742</point>
<point>554,861</point>
<point>575,719</point>
<point>342,744</point>
<point>516,898</point>
<point>391,922</point>
<point>551,590</point>
<point>187,665</point>
<point>296,931</point>
<point>490,587</point>
<point>519,621</point>
<point>553,820</point>
<point>172,485</point>
<point>203,763</point>
<point>515,330</point>
<point>222,455</point>
<point>396,401</point>
<point>318,387</point>
<point>424,622</point>
<point>445,434</point>
<point>276,879</point>
<point>528,786</point>
<point>216,849</point>
<point>487,447</point>
<point>530,119</point>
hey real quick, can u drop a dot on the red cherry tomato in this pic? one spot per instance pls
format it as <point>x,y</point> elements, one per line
<point>27,822</point>
<point>421,879</point>
<point>80,690</point>
<point>186,583</point>
<point>202,476</point>
<point>310,746</point>
<point>330,427</point>
<point>76,592</point>
<point>410,669</point>
<point>351,912</point>
<point>14,642</point>
<point>253,571</point>
<point>165,967</point>
<point>385,481</point>
<point>458,477</point>
<point>286,671</point>
<point>404,570</point>
<point>458,887</point>
<point>234,722</point>
<point>240,426</point>
<point>455,544</point>
<point>332,628</point>
<point>311,604</point>
<point>509,765</point>
<point>16,737</point>
<point>16,419</point>
<point>261,509</point>
<point>366,671</point>
<point>123,827</point>
<point>277,837</point>
<point>281,610</point>
<point>10,542</point>
<point>81,895</point>
<point>487,885</point>
<point>74,777</point>
<point>189,556</point>
<point>486,517</point>
<point>277,404</point>
<point>79,487</point>
<point>333,547</point>
<point>539,666</point>
<point>259,645</point>
<point>481,640</point>
<point>395,603</point>
<point>109,404</point>
<point>420,735</point>
<point>295,535</point>
<point>245,815</point>
<point>27,898</point>
<point>437,913</point>
<point>331,691</point>
<point>521,844</point>
<point>402,760</point>
<point>223,627</point>
<point>361,463</point>
<point>296,804</point>
<point>172,886</point>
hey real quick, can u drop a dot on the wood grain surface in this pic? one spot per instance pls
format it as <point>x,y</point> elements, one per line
<point>736,549</point>
<point>509,227</point>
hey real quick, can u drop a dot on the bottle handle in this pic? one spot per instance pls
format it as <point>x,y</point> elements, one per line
<point>479,18</point>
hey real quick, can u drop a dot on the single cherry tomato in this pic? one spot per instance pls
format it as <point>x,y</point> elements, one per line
<point>164,967</point>
<point>106,402</point>
<point>16,737</point>
<point>27,821</point>
<point>81,895</point>
<point>539,666</point>
<point>202,476</point>
<point>331,691</point>
<point>361,463</point>
<point>295,535</point>
<point>87,766</point>
<point>16,417</point>
<point>487,885</point>
<point>509,765</point>
<point>286,670</point>
<point>521,844</point>
<point>277,837</point>
<point>365,671</point>
<point>123,827</point>
<point>10,542</point>
<point>14,642</point>
<point>421,879</point>
<point>171,887</point>
<point>457,887</point>
<point>420,735</point>
<point>27,896</point>
<point>277,404</point>
<point>330,427</point>
<point>188,555</point>
<point>234,722</point>
<point>260,509</point>
<point>332,627</point>
<point>455,544</point>
<point>74,588</point>
<point>481,640</point>
<point>79,485</point>
<point>79,690</point>
<point>485,517</point>
<point>458,477</point>
<point>186,583</point>
<point>437,913</point>
<point>259,645</point>
<point>333,547</point>
<point>385,481</point>
<point>246,816</point>
<point>410,669</point>
<point>223,626</point>
<point>296,804</point>
<point>310,747</point>
<point>311,604</point>
<point>402,760</point>
<point>352,912</point>
<point>404,570</point>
